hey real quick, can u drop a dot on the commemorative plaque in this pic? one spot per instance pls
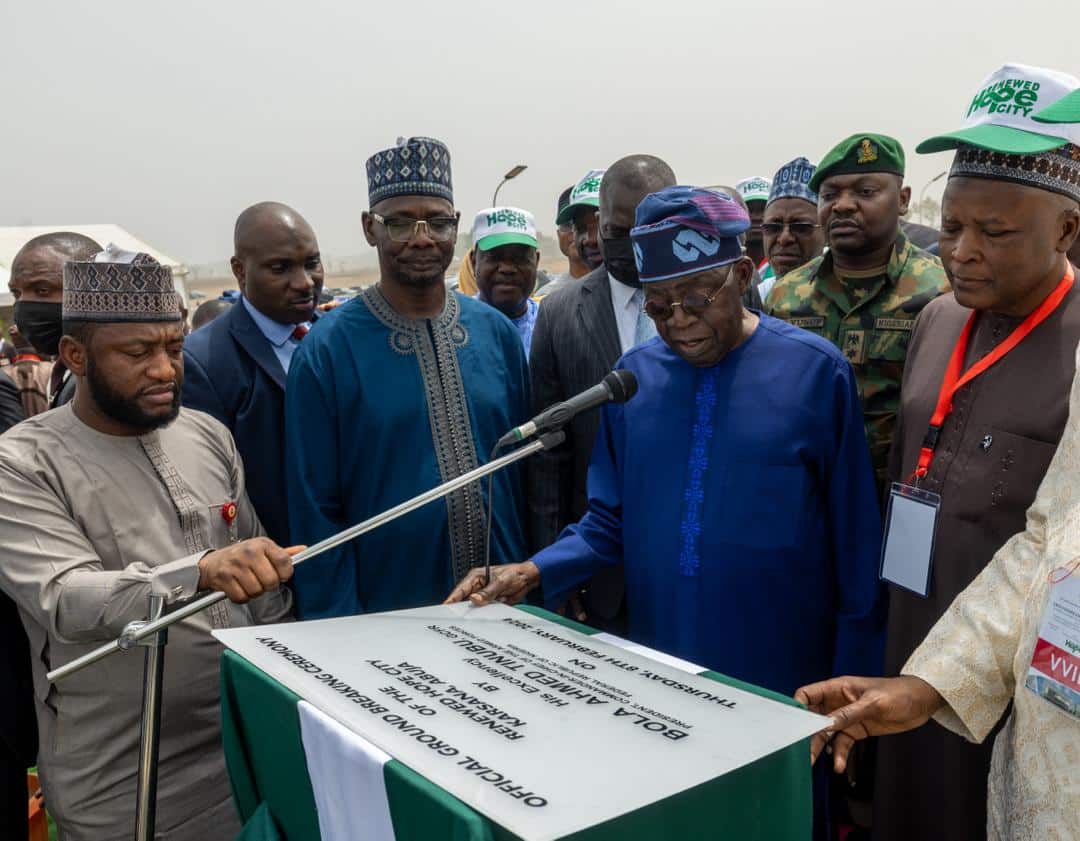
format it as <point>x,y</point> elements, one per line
<point>543,729</point>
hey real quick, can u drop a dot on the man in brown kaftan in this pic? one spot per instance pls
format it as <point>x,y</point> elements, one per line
<point>1009,215</point>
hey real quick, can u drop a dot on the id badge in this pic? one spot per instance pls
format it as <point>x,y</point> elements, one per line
<point>1054,673</point>
<point>908,548</point>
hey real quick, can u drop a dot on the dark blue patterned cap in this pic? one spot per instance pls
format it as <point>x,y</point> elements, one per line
<point>685,230</point>
<point>792,181</point>
<point>419,166</point>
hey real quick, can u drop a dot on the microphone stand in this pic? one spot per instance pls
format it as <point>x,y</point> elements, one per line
<point>151,633</point>
<point>554,438</point>
<point>487,519</point>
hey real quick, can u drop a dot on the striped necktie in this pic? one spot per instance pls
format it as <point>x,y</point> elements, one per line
<point>644,329</point>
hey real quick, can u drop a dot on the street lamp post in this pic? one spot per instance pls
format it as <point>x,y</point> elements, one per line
<point>514,173</point>
<point>922,193</point>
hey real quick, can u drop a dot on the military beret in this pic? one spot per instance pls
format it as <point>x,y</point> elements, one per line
<point>860,153</point>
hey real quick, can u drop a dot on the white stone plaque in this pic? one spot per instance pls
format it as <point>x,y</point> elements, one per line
<point>542,729</point>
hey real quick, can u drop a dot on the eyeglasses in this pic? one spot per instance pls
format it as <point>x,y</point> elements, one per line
<point>694,303</point>
<point>798,229</point>
<point>440,229</point>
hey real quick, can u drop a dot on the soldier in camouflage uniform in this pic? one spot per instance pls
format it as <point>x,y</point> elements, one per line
<point>865,293</point>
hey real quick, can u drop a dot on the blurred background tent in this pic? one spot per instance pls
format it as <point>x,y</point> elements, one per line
<point>13,238</point>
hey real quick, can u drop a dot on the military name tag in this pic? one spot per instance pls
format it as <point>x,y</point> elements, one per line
<point>908,548</point>
<point>808,322</point>
<point>894,324</point>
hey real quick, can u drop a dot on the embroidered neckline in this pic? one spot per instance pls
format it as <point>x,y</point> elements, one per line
<point>435,342</point>
<point>404,332</point>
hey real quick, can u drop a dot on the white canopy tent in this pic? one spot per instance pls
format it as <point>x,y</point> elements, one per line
<point>15,237</point>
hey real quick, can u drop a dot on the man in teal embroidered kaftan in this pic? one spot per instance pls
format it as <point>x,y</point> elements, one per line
<point>397,391</point>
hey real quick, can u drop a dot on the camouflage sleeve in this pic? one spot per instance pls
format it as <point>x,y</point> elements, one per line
<point>793,291</point>
<point>771,304</point>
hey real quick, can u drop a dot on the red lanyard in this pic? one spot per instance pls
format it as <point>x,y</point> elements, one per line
<point>953,381</point>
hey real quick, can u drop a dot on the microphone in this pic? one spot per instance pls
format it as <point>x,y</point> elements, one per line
<point>617,387</point>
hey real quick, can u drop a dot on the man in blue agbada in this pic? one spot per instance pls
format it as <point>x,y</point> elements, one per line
<point>736,487</point>
<point>402,388</point>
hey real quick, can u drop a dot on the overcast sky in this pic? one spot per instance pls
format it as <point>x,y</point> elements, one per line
<point>170,118</point>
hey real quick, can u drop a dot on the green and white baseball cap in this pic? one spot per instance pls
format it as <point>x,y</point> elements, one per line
<point>1000,116</point>
<point>503,226</point>
<point>755,188</point>
<point>1065,110</point>
<point>586,193</point>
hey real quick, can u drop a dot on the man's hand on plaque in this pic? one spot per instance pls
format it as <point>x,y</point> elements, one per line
<point>865,706</point>
<point>509,584</point>
<point>247,569</point>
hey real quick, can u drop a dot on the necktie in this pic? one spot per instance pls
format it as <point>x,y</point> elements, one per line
<point>644,329</point>
<point>300,331</point>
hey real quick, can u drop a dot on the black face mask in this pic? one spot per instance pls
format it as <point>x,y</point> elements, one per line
<point>619,260</point>
<point>41,325</point>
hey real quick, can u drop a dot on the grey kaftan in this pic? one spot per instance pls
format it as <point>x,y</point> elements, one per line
<point>91,524</point>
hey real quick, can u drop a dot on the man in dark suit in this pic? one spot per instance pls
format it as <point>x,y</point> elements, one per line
<point>581,330</point>
<point>235,367</point>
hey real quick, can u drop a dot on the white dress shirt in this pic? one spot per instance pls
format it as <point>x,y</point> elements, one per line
<point>626,312</point>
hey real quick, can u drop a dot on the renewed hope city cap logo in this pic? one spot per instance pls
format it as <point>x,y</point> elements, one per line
<point>1009,96</point>
<point>588,188</point>
<point>495,226</point>
<point>754,189</point>
<point>509,216</point>
<point>1014,93</point>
